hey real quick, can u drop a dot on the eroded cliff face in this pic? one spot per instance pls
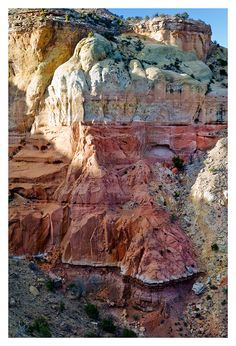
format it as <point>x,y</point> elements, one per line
<point>40,40</point>
<point>104,210</point>
<point>94,125</point>
<point>186,34</point>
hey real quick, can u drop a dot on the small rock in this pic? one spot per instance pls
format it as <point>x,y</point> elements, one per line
<point>225,193</point>
<point>142,329</point>
<point>33,290</point>
<point>124,313</point>
<point>209,197</point>
<point>198,288</point>
<point>208,280</point>
<point>12,302</point>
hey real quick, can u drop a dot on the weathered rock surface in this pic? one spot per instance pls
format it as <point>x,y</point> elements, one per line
<point>186,34</point>
<point>84,181</point>
<point>158,83</point>
<point>125,78</point>
<point>40,40</point>
<point>111,218</point>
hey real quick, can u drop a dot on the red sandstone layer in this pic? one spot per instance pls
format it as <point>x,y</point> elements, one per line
<point>98,208</point>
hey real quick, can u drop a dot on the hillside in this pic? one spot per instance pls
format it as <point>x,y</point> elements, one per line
<point>117,167</point>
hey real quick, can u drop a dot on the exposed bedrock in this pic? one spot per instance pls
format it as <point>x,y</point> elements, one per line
<point>186,34</point>
<point>126,79</point>
<point>158,83</point>
<point>89,176</point>
<point>96,203</point>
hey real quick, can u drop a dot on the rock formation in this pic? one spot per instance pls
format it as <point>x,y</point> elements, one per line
<point>96,118</point>
<point>186,34</point>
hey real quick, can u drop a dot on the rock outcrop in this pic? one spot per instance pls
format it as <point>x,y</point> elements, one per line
<point>102,211</point>
<point>104,126</point>
<point>99,83</point>
<point>40,40</point>
<point>186,34</point>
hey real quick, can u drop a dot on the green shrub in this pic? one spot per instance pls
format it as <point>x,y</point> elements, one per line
<point>183,15</point>
<point>176,194</point>
<point>222,62</point>
<point>223,73</point>
<point>136,317</point>
<point>178,162</point>
<point>90,34</point>
<point>41,327</point>
<point>92,311</point>
<point>128,333</point>
<point>214,247</point>
<point>108,326</point>
<point>213,287</point>
<point>212,169</point>
<point>50,285</point>
<point>66,18</point>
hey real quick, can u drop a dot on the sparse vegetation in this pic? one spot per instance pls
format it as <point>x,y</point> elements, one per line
<point>176,194</point>
<point>90,34</point>
<point>215,247</point>
<point>213,287</point>
<point>50,285</point>
<point>66,18</point>
<point>136,317</point>
<point>183,15</point>
<point>212,169</point>
<point>223,72</point>
<point>128,333</point>
<point>222,62</point>
<point>92,311</point>
<point>40,327</point>
<point>108,326</point>
<point>178,162</point>
<point>211,67</point>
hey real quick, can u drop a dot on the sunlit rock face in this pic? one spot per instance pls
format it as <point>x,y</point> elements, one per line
<point>186,34</point>
<point>102,211</point>
<point>40,40</point>
<point>102,124</point>
<point>158,83</point>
